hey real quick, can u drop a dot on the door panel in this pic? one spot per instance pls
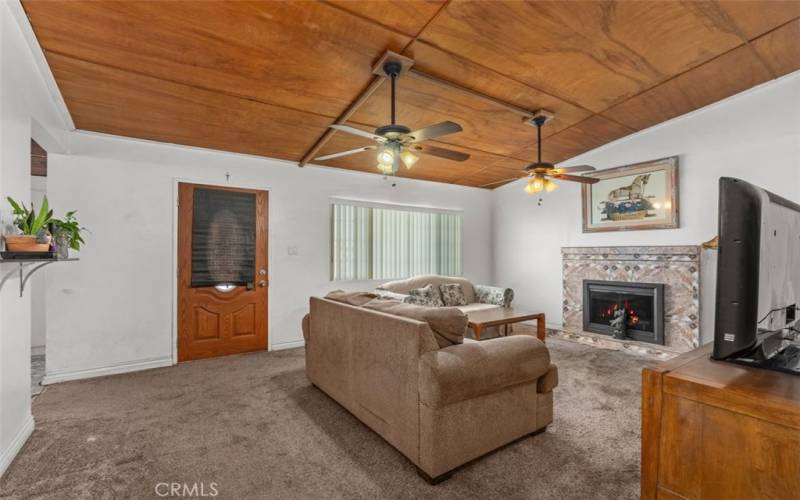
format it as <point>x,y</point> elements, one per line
<point>244,321</point>
<point>222,240</point>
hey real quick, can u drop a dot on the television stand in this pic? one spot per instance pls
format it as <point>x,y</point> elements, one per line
<point>714,429</point>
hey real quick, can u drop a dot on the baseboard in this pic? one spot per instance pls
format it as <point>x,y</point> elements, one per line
<point>16,444</point>
<point>287,345</point>
<point>132,366</point>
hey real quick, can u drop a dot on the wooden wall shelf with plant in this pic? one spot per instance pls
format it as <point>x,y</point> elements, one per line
<point>39,231</point>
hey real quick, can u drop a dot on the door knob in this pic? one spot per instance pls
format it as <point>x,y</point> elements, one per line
<point>262,283</point>
<point>262,272</point>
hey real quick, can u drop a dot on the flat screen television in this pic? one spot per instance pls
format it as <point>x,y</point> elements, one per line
<point>758,278</point>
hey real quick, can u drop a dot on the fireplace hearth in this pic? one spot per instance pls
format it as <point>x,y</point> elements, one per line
<point>624,310</point>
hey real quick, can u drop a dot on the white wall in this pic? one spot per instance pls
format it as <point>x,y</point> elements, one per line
<point>38,283</point>
<point>26,108</point>
<point>113,310</point>
<point>754,136</point>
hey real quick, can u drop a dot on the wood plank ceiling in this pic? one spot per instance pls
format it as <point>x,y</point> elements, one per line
<point>267,78</point>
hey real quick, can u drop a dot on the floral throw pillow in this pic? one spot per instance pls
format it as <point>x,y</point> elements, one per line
<point>453,294</point>
<point>427,296</point>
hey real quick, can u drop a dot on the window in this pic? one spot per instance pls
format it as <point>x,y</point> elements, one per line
<point>379,242</point>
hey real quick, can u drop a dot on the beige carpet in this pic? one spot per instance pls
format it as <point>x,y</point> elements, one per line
<point>254,426</point>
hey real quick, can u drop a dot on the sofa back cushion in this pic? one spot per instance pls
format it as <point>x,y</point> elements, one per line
<point>369,362</point>
<point>352,298</point>
<point>447,323</point>
<point>427,296</point>
<point>408,284</point>
<point>453,294</point>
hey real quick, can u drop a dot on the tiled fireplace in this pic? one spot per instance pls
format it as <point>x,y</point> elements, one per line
<point>654,291</point>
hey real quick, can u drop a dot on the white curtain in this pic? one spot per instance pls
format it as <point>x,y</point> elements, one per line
<point>398,243</point>
<point>351,245</point>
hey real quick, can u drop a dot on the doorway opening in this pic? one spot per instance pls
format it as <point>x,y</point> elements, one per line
<point>38,286</point>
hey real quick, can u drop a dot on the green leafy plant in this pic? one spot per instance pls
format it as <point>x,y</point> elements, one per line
<point>31,222</point>
<point>69,227</point>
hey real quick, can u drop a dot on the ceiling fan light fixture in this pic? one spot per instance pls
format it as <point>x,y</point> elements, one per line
<point>385,156</point>
<point>409,158</point>
<point>550,186</point>
<point>535,184</point>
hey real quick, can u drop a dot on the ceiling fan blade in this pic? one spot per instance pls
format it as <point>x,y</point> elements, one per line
<point>575,178</point>
<point>356,131</point>
<point>577,168</point>
<point>344,153</point>
<point>511,179</point>
<point>447,154</point>
<point>434,131</point>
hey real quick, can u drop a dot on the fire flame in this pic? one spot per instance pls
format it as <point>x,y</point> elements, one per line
<point>633,316</point>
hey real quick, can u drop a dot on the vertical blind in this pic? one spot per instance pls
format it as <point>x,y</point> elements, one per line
<point>389,243</point>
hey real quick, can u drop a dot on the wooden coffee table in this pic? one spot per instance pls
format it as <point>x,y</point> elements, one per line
<point>503,316</point>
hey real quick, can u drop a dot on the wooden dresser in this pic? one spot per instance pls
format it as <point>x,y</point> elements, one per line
<point>718,430</point>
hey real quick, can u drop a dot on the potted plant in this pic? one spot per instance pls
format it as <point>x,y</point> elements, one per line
<point>67,234</point>
<point>33,226</point>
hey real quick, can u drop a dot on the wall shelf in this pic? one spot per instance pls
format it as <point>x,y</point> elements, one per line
<point>25,268</point>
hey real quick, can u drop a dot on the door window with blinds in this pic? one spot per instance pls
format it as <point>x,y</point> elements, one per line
<point>380,243</point>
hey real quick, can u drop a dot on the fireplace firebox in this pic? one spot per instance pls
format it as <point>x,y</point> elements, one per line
<point>624,310</point>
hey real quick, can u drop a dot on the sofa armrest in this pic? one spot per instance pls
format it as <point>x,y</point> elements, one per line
<point>497,295</point>
<point>305,325</point>
<point>466,371</point>
<point>548,381</point>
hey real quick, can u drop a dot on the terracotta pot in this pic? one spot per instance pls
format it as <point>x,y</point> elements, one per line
<point>25,243</point>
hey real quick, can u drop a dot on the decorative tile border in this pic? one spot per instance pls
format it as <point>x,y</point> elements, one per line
<point>677,267</point>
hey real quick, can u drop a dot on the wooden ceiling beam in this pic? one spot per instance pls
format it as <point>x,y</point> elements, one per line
<point>352,108</point>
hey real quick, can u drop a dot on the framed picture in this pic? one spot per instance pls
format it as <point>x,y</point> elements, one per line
<point>633,197</point>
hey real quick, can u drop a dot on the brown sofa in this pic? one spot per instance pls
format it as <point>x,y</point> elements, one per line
<point>440,407</point>
<point>478,297</point>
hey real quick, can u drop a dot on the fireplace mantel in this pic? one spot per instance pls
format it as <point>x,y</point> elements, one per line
<point>677,267</point>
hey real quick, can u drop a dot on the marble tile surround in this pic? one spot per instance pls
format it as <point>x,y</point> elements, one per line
<point>678,267</point>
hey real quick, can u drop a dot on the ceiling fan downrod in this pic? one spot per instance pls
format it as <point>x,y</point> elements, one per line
<point>393,130</point>
<point>539,121</point>
<point>392,69</point>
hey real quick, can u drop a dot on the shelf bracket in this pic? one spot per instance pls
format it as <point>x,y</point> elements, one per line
<point>24,276</point>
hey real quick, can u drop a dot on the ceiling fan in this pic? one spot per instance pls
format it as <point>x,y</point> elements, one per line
<point>397,143</point>
<point>542,173</point>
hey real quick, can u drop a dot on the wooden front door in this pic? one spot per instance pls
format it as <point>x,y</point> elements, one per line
<point>222,271</point>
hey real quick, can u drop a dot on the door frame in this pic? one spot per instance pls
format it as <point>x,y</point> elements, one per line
<point>206,182</point>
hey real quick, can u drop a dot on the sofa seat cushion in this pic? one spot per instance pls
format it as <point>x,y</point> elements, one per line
<point>386,294</point>
<point>408,284</point>
<point>473,369</point>
<point>447,323</point>
<point>477,306</point>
